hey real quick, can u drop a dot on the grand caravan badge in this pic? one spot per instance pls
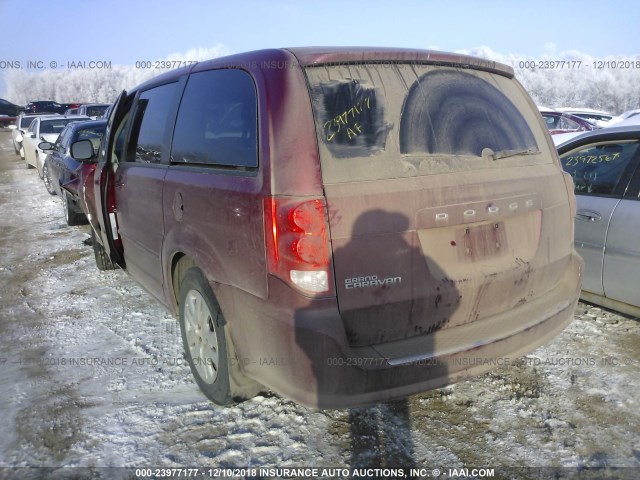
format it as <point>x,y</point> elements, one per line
<point>369,281</point>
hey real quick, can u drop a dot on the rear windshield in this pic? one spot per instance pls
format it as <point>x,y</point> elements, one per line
<point>54,126</point>
<point>96,111</point>
<point>394,120</point>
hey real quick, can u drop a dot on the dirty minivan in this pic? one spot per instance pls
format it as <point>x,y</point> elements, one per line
<point>343,226</point>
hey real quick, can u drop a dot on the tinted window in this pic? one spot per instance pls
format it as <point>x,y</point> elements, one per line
<point>92,133</point>
<point>568,124</point>
<point>147,137</point>
<point>25,122</point>
<point>597,169</point>
<point>217,120</point>
<point>54,126</point>
<point>63,141</point>
<point>95,111</point>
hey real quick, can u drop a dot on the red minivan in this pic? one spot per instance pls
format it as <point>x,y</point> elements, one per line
<point>341,225</point>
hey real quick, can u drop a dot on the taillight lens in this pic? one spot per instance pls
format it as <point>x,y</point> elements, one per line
<point>297,243</point>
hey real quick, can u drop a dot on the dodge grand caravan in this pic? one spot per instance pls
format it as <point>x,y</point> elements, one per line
<point>343,226</point>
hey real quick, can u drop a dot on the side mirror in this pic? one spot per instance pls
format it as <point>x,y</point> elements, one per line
<point>82,150</point>
<point>20,137</point>
<point>45,146</point>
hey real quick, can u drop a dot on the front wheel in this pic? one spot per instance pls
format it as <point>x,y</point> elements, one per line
<point>207,344</point>
<point>72,218</point>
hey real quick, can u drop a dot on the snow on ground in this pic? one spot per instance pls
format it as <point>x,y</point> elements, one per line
<point>92,375</point>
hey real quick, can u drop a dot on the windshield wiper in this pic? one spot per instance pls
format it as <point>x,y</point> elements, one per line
<point>508,153</point>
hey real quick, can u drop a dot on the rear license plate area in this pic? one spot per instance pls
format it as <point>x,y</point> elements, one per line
<point>481,242</point>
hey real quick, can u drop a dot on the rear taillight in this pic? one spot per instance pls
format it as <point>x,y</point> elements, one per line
<point>297,242</point>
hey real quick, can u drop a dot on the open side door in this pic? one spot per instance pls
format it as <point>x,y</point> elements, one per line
<point>103,191</point>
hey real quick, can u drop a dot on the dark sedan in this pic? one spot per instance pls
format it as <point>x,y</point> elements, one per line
<point>62,171</point>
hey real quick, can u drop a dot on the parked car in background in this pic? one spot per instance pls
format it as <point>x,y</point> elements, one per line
<point>364,231</point>
<point>18,130</point>
<point>10,109</point>
<point>629,113</point>
<point>61,172</point>
<point>560,122</point>
<point>43,128</point>
<point>45,106</point>
<point>93,110</point>
<point>605,166</point>
<point>598,118</point>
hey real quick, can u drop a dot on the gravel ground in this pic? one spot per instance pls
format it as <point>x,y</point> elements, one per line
<point>92,375</point>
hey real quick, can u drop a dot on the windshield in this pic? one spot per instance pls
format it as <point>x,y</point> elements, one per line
<point>394,120</point>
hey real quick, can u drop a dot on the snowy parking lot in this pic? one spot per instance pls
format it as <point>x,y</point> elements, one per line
<point>92,375</point>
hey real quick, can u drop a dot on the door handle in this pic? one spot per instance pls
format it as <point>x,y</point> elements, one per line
<point>588,216</point>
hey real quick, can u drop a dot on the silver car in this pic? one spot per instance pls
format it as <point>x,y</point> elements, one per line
<point>605,166</point>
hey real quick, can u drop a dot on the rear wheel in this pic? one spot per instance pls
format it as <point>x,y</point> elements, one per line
<point>73,218</point>
<point>207,344</point>
<point>102,257</point>
<point>47,180</point>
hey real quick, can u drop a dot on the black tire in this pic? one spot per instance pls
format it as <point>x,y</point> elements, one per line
<point>102,258</point>
<point>215,368</point>
<point>72,218</point>
<point>47,180</point>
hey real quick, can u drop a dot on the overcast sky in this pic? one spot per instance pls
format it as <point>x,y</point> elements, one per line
<point>124,32</point>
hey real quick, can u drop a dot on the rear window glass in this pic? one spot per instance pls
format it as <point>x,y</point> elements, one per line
<point>96,111</point>
<point>395,120</point>
<point>54,126</point>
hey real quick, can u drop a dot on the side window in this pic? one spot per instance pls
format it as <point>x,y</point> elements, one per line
<point>62,141</point>
<point>551,121</point>
<point>146,143</point>
<point>217,120</point>
<point>568,124</point>
<point>33,127</point>
<point>633,192</point>
<point>598,169</point>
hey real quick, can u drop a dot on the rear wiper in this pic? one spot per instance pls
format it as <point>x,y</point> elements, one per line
<point>487,152</point>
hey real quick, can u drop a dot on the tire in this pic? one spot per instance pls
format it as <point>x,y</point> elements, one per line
<point>207,344</point>
<point>72,218</point>
<point>47,180</point>
<point>40,172</point>
<point>103,262</point>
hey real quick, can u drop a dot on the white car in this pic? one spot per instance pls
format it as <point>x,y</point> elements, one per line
<point>18,129</point>
<point>45,128</point>
<point>597,117</point>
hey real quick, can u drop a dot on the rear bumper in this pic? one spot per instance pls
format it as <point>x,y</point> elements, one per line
<point>302,352</point>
